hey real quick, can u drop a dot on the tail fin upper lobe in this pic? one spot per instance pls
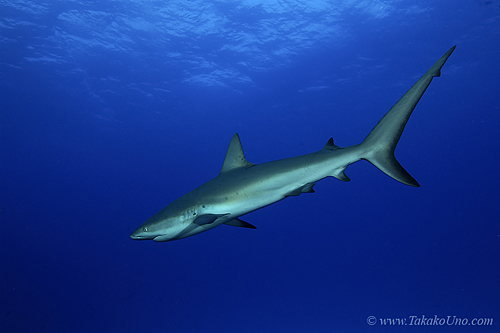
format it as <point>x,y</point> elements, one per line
<point>382,140</point>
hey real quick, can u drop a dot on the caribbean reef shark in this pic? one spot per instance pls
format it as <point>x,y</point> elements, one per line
<point>242,187</point>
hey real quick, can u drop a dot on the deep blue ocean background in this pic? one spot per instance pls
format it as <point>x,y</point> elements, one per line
<point>110,110</point>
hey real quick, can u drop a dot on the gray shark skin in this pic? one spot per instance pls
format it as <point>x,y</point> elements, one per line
<point>242,187</point>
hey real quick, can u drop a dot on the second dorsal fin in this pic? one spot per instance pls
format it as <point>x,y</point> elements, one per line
<point>330,145</point>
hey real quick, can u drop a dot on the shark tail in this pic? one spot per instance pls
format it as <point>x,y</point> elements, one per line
<point>380,144</point>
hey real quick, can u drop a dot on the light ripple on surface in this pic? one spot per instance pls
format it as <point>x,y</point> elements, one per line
<point>215,44</point>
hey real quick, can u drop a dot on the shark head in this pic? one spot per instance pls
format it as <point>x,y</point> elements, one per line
<point>176,222</point>
<point>161,230</point>
<point>145,232</point>
<point>170,223</point>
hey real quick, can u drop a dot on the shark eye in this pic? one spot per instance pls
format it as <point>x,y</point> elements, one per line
<point>145,229</point>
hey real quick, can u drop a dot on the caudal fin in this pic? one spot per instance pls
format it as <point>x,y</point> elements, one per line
<point>381,142</point>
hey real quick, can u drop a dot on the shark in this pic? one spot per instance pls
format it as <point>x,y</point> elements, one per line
<point>242,187</point>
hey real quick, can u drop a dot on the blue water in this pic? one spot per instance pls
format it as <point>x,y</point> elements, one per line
<point>109,110</point>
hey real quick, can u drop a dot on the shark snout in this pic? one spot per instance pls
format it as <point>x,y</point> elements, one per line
<point>142,234</point>
<point>140,237</point>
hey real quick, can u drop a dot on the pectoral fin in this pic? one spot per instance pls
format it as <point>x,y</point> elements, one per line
<point>240,223</point>
<point>207,218</point>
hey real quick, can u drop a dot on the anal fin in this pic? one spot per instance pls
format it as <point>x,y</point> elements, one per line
<point>340,175</point>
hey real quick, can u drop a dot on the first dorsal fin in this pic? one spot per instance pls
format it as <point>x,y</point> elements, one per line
<point>330,145</point>
<point>235,158</point>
